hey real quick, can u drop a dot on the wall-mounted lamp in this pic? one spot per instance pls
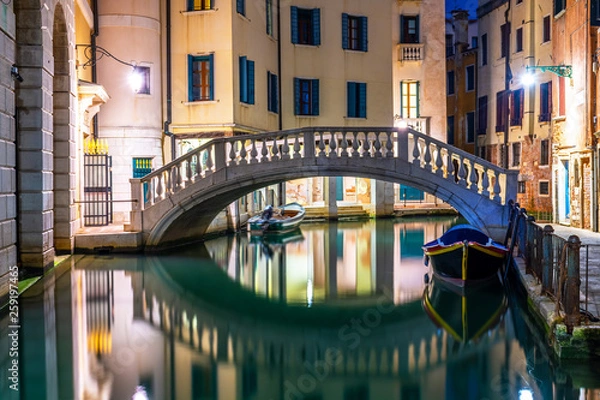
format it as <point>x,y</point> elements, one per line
<point>14,72</point>
<point>95,53</point>
<point>565,71</point>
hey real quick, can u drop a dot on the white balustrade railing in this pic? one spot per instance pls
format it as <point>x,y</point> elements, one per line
<point>454,165</point>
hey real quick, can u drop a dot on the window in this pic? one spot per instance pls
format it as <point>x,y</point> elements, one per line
<point>269,16</point>
<point>470,79</point>
<point>142,166</point>
<point>501,110</point>
<point>544,188</point>
<point>450,82</point>
<point>142,80</point>
<point>240,6</point>
<point>516,154</point>
<point>409,99</point>
<point>474,42</point>
<point>544,152</point>
<point>246,80</point>
<point>516,110</point>
<point>470,127</point>
<point>199,5</point>
<point>354,33</point>
<point>519,40</point>
<point>595,13</point>
<point>409,29</point>
<point>306,26</point>
<point>545,102</point>
<point>482,114</point>
<point>546,33</point>
<point>521,185</point>
<point>504,37</point>
<point>449,45</point>
<point>272,92</point>
<point>482,153</point>
<point>306,96</point>
<point>484,49</point>
<point>200,78</point>
<point>559,6</point>
<point>357,100</point>
<point>450,132</point>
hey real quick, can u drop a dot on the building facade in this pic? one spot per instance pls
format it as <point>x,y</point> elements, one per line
<point>514,118</point>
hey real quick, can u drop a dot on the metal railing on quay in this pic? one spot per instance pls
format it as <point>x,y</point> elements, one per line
<point>561,266</point>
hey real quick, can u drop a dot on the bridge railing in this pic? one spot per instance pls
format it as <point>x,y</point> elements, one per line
<point>422,151</point>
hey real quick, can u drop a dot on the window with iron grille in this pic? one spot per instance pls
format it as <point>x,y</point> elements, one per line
<point>521,186</point>
<point>544,188</point>
<point>516,154</point>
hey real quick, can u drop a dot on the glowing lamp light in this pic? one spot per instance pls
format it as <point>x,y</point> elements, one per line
<point>136,80</point>
<point>528,79</point>
<point>525,394</point>
<point>140,394</point>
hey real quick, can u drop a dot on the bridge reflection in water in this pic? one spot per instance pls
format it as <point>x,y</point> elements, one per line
<point>335,314</point>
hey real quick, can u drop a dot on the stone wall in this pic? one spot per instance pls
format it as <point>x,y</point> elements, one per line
<point>8,211</point>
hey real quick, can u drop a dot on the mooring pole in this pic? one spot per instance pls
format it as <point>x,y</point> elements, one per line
<point>572,284</point>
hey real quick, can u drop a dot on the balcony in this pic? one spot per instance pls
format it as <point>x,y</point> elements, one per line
<point>411,51</point>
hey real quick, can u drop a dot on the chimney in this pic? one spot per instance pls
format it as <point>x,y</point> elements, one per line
<point>460,23</point>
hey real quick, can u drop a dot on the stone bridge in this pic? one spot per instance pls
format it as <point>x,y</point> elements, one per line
<point>177,202</point>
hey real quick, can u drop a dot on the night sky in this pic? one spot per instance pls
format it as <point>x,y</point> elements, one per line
<point>470,5</point>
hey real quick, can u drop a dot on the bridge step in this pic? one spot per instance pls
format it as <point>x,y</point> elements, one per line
<point>344,211</point>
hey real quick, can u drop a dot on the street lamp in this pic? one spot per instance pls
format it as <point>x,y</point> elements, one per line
<point>564,71</point>
<point>94,53</point>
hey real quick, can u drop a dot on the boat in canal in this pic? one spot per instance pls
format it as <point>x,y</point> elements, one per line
<point>277,220</point>
<point>465,313</point>
<point>464,254</point>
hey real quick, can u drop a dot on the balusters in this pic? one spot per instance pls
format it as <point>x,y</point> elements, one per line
<point>366,146</point>
<point>188,171</point>
<point>209,161</point>
<point>377,146</point>
<point>355,145</point>
<point>297,147</point>
<point>243,154</point>
<point>416,152</point>
<point>462,173</point>
<point>275,150</point>
<point>285,149</point>
<point>253,152</point>
<point>485,183</point>
<point>232,153</point>
<point>321,145</point>
<point>497,188</point>
<point>474,178</point>
<point>344,145</point>
<point>427,157</point>
<point>439,163</point>
<point>264,151</point>
<point>389,145</point>
<point>332,144</point>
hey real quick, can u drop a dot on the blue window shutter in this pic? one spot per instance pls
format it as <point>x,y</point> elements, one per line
<point>364,34</point>
<point>418,29</point>
<point>351,100</point>
<point>402,29</point>
<point>315,97</point>
<point>294,23</point>
<point>211,75</point>
<point>269,92</point>
<point>190,78</point>
<point>418,99</point>
<point>240,7</point>
<point>250,68</point>
<point>243,80</point>
<point>401,101</point>
<point>275,93</point>
<point>362,102</point>
<point>344,31</point>
<point>297,96</point>
<point>316,14</point>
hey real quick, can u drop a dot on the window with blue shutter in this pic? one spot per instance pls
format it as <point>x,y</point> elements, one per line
<point>409,29</point>
<point>306,96</point>
<point>269,17</point>
<point>246,80</point>
<point>272,92</point>
<point>306,26</point>
<point>240,6</point>
<point>200,78</point>
<point>354,33</point>
<point>357,100</point>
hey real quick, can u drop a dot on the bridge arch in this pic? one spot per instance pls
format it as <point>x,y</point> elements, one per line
<point>178,202</point>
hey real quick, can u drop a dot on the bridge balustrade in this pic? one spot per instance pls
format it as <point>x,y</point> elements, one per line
<point>273,149</point>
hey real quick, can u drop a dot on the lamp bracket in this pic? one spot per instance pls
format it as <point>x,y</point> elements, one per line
<point>565,71</point>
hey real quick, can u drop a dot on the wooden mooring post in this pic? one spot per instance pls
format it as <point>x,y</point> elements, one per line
<point>572,284</point>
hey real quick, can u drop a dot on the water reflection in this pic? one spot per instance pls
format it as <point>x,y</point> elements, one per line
<point>238,325</point>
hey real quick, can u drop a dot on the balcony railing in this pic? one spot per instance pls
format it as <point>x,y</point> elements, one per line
<point>411,51</point>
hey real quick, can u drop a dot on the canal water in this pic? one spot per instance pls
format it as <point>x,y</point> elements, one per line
<point>333,311</point>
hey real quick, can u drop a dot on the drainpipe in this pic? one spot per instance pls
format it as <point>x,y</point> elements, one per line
<point>17,202</point>
<point>95,34</point>
<point>507,78</point>
<point>279,62</point>
<point>169,94</point>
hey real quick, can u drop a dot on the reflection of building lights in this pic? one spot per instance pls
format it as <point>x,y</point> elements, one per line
<point>525,394</point>
<point>309,292</point>
<point>140,394</point>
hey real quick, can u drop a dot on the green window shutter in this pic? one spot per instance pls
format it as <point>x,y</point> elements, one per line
<point>315,97</point>
<point>418,100</point>
<point>297,96</point>
<point>294,23</point>
<point>211,76</point>
<point>362,100</point>
<point>418,29</point>
<point>364,34</point>
<point>316,16</point>
<point>401,101</point>
<point>243,80</point>
<point>190,78</point>
<point>351,99</point>
<point>250,69</point>
<point>345,31</point>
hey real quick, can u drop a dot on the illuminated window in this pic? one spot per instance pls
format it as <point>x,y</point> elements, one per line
<point>199,5</point>
<point>409,99</point>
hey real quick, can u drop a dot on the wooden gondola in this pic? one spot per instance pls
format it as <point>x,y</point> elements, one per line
<point>464,254</point>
